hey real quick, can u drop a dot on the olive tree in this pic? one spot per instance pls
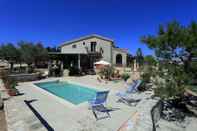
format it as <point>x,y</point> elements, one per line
<point>175,45</point>
<point>10,53</point>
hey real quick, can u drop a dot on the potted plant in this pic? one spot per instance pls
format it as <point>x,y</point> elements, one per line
<point>125,76</point>
<point>12,91</point>
<point>1,102</point>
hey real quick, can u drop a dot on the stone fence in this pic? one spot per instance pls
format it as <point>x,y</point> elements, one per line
<point>25,77</point>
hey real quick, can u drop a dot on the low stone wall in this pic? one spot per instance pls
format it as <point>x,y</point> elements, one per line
<point>25,77</point>
<point>4,94</point>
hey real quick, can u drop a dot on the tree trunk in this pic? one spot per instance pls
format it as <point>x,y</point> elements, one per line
<point>187,64</point>
<point>11,66</point>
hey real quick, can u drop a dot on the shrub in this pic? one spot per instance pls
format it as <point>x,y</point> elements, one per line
<point>10,84</point>
<point>168,89</point>
<point>170,82</point>
<point>74,71</point>
<point>175,49</point>
<point>107,72</point>
<point>146,77</point>
<point>148,72</point>
<point>125,76</point>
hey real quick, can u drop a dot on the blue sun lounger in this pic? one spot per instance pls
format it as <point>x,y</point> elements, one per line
<point>97,104</point>
<point>132,88</point>
<point>124,95</point>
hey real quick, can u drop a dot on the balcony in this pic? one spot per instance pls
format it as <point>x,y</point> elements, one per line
<point>96,53</point>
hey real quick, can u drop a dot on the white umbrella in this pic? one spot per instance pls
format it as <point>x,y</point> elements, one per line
<point>102,62</point>
<point>4,63</point>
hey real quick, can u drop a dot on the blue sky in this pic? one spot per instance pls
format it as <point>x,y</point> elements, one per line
<point>55,21</point>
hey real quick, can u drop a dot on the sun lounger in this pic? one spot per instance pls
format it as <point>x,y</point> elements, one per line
<point>45,74</point>
<point>130,89</point>
<point>125,96</point>
<point>129,101</point>
<point>97,104</point>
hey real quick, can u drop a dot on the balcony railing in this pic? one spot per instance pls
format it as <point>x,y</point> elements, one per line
<point>93,53</point>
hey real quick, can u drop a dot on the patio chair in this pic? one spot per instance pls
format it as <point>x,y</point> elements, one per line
<point>45,74</point>
<point>131,88</point>
<point>97,104</point>
<point>129,101</point>
<point>124,96</point>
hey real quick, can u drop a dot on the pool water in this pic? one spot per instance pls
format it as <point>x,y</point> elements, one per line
<point>73,93</point>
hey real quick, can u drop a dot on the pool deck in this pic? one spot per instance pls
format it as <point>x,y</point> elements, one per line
<point>60,115</point>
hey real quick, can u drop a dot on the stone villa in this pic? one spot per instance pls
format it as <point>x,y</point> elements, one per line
<point>84,51</point>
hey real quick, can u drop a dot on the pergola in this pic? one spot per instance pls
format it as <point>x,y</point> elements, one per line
<point>80,61</point>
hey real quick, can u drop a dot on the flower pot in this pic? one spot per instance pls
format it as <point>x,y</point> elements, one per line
<point>12,92</point>
<point>1,102</point>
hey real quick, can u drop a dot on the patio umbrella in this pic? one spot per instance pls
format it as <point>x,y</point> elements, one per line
<point>4,63</point>
<point>102,62</point>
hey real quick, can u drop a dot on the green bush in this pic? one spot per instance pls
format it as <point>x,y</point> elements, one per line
<point>146,77</point>
<point>74,71</point>
<point>125,76</point>
<point>175,49</point>
<point>148,72</point>
<point>12,84</point>
<point>9,84</point>
<point>170,82</point>
<point>107,72</point>
<point>168,90</point>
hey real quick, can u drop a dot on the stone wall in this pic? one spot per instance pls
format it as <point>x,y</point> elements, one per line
<point>25,77</point>
<point>4,94</point>
<point>81,46</point>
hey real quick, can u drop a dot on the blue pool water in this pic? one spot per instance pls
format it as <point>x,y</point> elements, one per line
<point>73,93</point>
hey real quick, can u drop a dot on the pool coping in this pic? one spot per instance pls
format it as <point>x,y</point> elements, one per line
<point>59,99</point>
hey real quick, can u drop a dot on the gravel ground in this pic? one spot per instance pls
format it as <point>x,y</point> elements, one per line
<point>3,126</point>
<point>189,124</point>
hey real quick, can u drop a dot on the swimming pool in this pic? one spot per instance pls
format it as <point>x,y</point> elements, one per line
<point>73,93</point>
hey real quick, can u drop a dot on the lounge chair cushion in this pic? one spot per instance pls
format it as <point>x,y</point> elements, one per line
<point>100,98</point>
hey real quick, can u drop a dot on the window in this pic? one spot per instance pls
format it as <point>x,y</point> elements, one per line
<point>74,46</point>
<point>118,59</point>
<point>93,46</point>
<point>101,50</point>
<point>84,43</point>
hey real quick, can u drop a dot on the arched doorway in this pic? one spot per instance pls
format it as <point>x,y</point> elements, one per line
<point>119,59</point>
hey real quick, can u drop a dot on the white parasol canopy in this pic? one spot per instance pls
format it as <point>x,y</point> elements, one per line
<point>102,62</point>
<point>4,63</point>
